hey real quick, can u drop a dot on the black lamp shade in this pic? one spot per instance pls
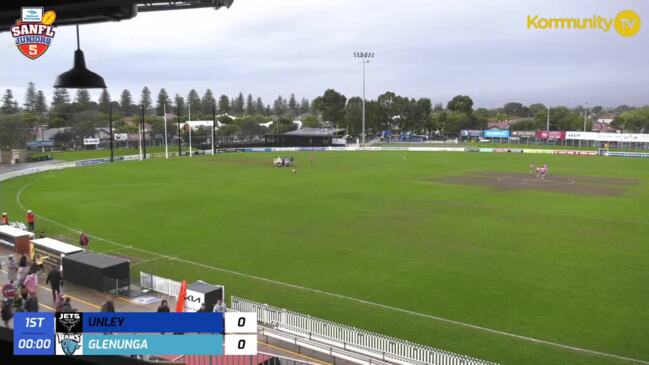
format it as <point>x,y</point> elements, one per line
<point>79,77</point>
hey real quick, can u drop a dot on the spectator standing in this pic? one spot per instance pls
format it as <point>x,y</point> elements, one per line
<point>59,303</point>
<point>31,304</point>
<point>31,283</point>
<point>19,304</point>
<point>219,306</point>
<point>7,312</point>
<point>67,305</point>
<point>23,293</point>
<point>202,309</point>
<point>9,290</point>
<point>83,240</point>
<point>33,268</point>
<point>30,220</point>
<point>12,273</point>
<point>164,307</point>
<point>39,261</point>
<point>108,306</point>
<point>23,270</point>
<point>55,279</point>
<point>4,219</point>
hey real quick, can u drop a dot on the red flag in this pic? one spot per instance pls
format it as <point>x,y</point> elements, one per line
<point>180,305</point>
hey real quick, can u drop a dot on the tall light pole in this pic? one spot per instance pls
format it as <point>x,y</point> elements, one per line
<point>364,56</point>
<point>585,114</point>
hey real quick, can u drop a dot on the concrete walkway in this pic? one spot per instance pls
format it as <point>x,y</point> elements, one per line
<point>89,300</point>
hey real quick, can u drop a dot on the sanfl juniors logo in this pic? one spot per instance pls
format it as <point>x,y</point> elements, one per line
<point>34,32</point>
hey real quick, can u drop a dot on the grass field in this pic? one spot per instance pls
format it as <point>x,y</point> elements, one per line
<point>385,228</point>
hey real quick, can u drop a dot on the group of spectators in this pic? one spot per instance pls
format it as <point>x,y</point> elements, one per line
<point>218,307</point>
<point>20,293</point>
<point>30,218</point>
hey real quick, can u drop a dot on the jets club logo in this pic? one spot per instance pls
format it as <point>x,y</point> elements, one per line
<point>34,32</point>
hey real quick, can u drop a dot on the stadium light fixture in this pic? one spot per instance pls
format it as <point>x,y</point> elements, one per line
<point>79,77</point>
<point>364,56</point>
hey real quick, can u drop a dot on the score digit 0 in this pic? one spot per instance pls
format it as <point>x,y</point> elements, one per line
<point>241,344</point>
<point>242,323</point>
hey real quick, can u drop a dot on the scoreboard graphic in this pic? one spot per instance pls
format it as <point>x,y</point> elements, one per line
<point>135,333</point>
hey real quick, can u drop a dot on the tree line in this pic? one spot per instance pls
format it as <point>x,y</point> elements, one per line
<point>389,111</point>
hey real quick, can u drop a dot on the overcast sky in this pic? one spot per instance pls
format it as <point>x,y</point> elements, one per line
<point>424,48</point>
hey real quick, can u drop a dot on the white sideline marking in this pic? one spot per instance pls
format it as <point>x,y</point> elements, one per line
<point>115,250</point>
<point>340,296</point>
<point>145,261</point>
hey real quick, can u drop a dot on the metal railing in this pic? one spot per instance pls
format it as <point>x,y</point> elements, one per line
<point>351,338</point>
<point>323,348</point>
<point>159,284</point>
<point>116,286</point>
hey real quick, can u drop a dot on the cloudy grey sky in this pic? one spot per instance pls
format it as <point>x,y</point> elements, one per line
<point>424,48</point>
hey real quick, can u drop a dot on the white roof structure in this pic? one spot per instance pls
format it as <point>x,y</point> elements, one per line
<point>14,232</point>
<point>195,124</point>
<point>55,245</point>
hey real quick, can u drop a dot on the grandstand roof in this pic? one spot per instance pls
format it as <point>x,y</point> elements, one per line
<point>316,132</point>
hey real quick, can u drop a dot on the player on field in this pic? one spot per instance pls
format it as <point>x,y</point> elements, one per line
<point>544,171</point>
<point>532,167</point>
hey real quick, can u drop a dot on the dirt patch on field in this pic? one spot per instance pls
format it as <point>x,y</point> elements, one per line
<point>578,185</point>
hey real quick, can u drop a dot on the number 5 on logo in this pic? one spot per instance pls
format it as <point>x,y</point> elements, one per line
<point>241,344</point>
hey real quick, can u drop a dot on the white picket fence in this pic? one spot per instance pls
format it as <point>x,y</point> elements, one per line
<point>350,338</point>
<point>159,284</point>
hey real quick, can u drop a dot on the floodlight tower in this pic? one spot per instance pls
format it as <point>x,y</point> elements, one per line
<point>364,56</point>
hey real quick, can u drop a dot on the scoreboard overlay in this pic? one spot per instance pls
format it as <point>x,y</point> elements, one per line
<point>135,333</point>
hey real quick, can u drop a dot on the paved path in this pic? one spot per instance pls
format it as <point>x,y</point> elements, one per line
<point>88,300</point>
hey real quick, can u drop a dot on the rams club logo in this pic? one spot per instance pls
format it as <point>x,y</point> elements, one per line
<point>34,32</point>
<point>69,337</point>
<point>69,344</point>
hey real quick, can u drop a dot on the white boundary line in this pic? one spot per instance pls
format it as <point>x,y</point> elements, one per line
<point>340,296</point>
<point>148,260</point>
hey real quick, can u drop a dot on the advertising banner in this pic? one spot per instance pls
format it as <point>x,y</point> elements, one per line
<point>608,137</point>
<point>550,135</point>
<point>496,133</point>
<point>524,134</point>
<point>434,149</point>
<point>471,133</point>
<point>629,154</point>
<point>90,162</point>
<point>91,141</point>
<point>576,152</point>
<point>539,151</point>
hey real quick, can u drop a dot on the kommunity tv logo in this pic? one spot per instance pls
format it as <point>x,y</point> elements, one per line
<point>626,23</point>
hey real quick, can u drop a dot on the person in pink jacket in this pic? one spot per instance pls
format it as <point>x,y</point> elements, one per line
<point>31,283</point>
